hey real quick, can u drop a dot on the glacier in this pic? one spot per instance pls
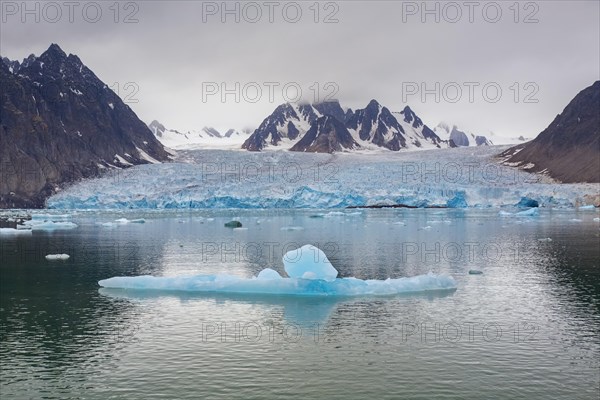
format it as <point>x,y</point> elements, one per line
<point>452,178</point>
<point>311,274</point>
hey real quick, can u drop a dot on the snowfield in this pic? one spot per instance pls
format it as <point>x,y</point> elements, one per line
<point>456,178</point>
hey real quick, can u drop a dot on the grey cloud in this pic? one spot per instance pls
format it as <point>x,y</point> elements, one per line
<point>370,53</point>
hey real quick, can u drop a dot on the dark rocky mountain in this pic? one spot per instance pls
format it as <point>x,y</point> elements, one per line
<point>373,126</point>
<point>211,132</point>
<point>569,148</point>
<point>376,124</point>
<point>482,141</point>
<point>288,121</point>
<point>411,118</point>
<point>334,109</point>
<point>459,138</point>
<point>326,135</point>
<point>59,123</point>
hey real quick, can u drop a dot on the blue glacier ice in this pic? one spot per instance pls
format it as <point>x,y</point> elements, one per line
<point>284,286</point>
<point>309,262</point>
<point>309,276</point>
<point>454,178</point>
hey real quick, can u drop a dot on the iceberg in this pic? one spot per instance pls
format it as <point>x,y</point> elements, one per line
<point>13,231</point>
<point>51,226</point>
<point>48,222</point>
<point>532,212</point>
<point>311,274</point>
<point>268,284</point>
<point>53,257</point>
<point>309,262</point>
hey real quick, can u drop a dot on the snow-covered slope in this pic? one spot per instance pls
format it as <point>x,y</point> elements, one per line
<point>459,137</point>
<point>208,137</point>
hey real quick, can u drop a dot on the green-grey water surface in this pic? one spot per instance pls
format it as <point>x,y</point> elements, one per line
<point>527,328</point>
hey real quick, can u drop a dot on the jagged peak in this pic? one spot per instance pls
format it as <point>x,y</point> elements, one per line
<point>54,51</point>
<point>373,103</point>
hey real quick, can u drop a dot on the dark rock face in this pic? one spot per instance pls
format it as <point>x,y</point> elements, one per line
<point>269,130</point>
<point>212,132</point>
<point>411,117</point>
<point>157,128</point>
<point>326,135</point>
<point>374,124</point>
<point>332,108</point>
<point>377,125</point>
<point>569,148</point>
<point>459,138</point>
<point>482,141</point>
<point>60,123</point>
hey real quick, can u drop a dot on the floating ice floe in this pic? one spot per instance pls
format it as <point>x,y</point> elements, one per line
<point>310,274</point>
<point>532,212</point>
<point>291,228</point>
<point>51,217</point>
<point>545,240</point>
<point>13,231</point>
<point>54,257</point>
<point>50,225</point>
<point>48,222</point>
<point>587,207</point>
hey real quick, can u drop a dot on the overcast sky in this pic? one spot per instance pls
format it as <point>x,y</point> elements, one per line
<point>176,55</point>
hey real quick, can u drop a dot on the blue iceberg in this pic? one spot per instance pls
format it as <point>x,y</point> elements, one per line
<point>311,274</point>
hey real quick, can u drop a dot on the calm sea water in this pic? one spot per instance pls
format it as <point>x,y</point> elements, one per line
<point>528,327</point>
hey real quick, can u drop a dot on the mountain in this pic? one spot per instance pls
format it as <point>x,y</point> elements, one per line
<point>458,138</point>
<point>375,126</point>
<point>173,138</point>
<point>211,132</point>
<point>569,148</point>
<point>326,135</point>
<point>286,124</point>
<point>59,123</point>
<point>208,136</point>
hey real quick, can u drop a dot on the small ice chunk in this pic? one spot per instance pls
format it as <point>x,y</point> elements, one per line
<point>587,207</point>
<point>50,226</point>
<point>291,228</point>
<point>122,221</point>
<point>575,220</point>
<point>309,258</point>
<point>597,219</point>
<point>51,217</point>
<point>268,273</point>
<point>532,212</point>
<point>138,221</point>
<point>475,272</point>
<point>53,257</point>
<point>545,240</point>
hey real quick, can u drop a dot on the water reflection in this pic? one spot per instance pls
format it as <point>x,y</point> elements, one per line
<point>305,312</point>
